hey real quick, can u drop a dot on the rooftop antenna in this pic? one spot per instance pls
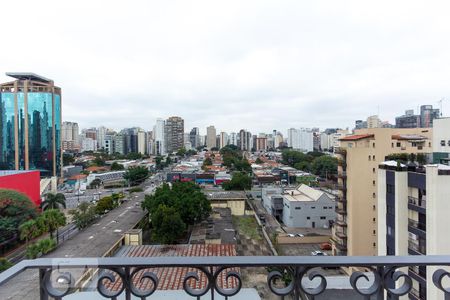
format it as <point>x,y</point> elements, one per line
<point>440,105</point>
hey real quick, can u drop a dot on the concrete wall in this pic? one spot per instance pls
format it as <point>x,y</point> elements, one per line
<point>237,207</point>
<point>305,214</point>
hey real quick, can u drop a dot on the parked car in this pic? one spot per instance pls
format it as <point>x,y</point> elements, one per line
<point>318,253</point>
<point>325,246</point>
<point>290,235</point>
<point>300,235</point>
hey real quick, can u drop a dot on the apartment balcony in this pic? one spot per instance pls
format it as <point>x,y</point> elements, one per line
<point>417,228</point>
<point>418,273</point>
<point>416,204</point>
<point>342,222</point>
<point>342,198</point>
<point>138,277</point>
<point>341,234</point>
<point>341,211</point>
<point>416,248</point>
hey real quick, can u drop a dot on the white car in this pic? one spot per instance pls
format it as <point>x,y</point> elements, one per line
<point>318,253</point>
<point>290,235</point>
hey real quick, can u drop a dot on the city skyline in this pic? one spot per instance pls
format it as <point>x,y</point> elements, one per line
<point>307,64</point>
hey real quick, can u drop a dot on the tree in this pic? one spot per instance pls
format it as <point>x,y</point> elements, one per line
<point>134,155</point>
<point>54,201</point>
<point>303,166</point>
<point>136,175</point>
<point>324,166</point>
<point>206,162</point>
<point>95,183</point>
<point>29,230</point>
<point>68,159</point>
<point>115,166</point>
<point>421,158</point>
<point>181,151</point>
<point>53,219</point>
<point>185,197</point>
<point>167,224</point>
<point>412,157</point>
<point>99,161</point>
<point>84,215</point>
<point>259,161</point>
<point>15,209</point>
<point>239,181</point>
<point>105,204</point>
<point>308,180</point>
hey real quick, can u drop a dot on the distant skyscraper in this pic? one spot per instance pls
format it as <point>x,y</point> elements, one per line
<point>373,122</point>
<point>174,134</point>
<point>30,124</point>
<point>70,136</point>
<point>194,137</point>
<point>141,141</point>
<point>233,139</point>
<point>223,139</point>
<point>244,140</point>
<point>101,135</point>
<point>301,139</point>
<point>427,115</point>
<point>211,137</point>
<point>159,137</point>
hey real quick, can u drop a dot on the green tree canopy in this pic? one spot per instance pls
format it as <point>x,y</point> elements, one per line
<point>185,197</point>
<point>303,166</point>
<point>53,219</point>
<point>54,201</point>
<point>84,215</point>
<point>15,209</point>
<point>136,175</point>
<point>259,161</point>
<point>324,166</point>
<point>167,223</point>
<point>115,166</point>
<point>29,230</point>
<point>239,181</point>
<point>68,159</point>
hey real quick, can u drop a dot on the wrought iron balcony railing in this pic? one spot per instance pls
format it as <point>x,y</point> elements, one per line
<point>414,201</point>
<point>58,277</point>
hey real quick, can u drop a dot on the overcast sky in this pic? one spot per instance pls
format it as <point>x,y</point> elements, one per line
<point>259,65</point>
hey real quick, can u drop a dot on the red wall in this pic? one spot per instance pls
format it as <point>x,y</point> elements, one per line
<point>25,182</point>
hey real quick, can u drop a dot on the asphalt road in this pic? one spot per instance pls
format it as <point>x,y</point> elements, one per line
<point>93,241</point>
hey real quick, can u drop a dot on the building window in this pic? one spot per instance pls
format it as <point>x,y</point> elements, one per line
<point>308,218</point>
<point>373,170</point>
<point>369,157</point>
<point>429,144</point>
<point>373,195</point>
<point>298,208</point>
<point>374,245</point>
<point>330,207</point>
<point>313,207</point>
<point>373,144</point>
<point>323,218</point>
<point>448,143</point>
<point>374,207</point>
<point>374,232</point>
<point>442,143</point>
<point>392,145</point>
<point>398,144</point>
<point>374,220</point>
<point>325,207</point>
<point>373,157</point>
<point>373,182</point>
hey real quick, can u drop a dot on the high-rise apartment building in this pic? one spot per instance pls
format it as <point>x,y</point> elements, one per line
<point>159,137</point>
<point>211,137</point>
<point>174,131</point>
<point>413,218</point>
<point>374,122</point>
<point>101,135</point>
<point>408,120</point>
<point>355,230</point>
<point>194,137</point>
<point>223,139</point>
<point>301,139</point>
<point>30,124</point>
<point>141,141</point>
<point>70,136</point>
<point>427,115</point>
<point>109,143</point>
<point>233,139</point>
<point>119,143</point>
<point>261,144</point>
<point>245,140</point>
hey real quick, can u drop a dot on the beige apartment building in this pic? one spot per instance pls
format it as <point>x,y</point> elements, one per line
<point>355,230</point>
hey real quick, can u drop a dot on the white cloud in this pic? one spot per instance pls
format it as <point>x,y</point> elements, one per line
<point>235,64</point>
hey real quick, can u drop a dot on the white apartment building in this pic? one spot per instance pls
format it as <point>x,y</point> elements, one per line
<point>101,135</point>
<point>223,139</point>
<point>88,144</point>
<point>141,141</point>
<point>210,137</point>
<point>159,137</point>
<point>233,139</point>
<point>301,139</point>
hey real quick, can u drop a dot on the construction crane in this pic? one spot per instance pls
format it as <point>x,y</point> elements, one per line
<point>440,104</point>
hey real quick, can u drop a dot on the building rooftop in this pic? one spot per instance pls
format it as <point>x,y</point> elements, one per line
<point>408,137</point>
<point>226,195</point>
<point>171,278</point>
<point>356,137</point>
<point>303,193</point>
<point>28,76</point>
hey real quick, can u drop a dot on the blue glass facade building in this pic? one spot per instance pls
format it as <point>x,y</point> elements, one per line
<point>30,125</point>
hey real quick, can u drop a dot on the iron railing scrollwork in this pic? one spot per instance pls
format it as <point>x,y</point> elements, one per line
<point>204,277</point>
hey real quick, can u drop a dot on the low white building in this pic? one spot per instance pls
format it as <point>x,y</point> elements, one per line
<point>303,207</point>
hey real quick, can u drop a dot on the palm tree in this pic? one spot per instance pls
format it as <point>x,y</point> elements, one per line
<point>29,230</point>
<point>53,201</point>
<point>53,219</point>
